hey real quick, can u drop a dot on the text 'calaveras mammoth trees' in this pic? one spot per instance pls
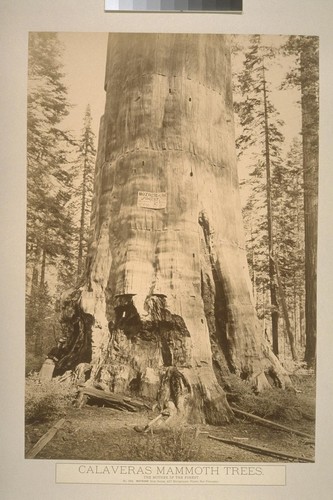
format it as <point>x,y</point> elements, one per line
<point>166,310</point>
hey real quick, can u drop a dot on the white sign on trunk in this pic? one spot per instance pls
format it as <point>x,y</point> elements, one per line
<point>147,199</point>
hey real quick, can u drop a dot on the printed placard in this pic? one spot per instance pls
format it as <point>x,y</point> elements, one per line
<point>161,473</point>
<point>147,199</point>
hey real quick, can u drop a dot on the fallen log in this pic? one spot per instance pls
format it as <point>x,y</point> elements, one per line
<point>269,423</point>
<point>114,400</point>
<point>262,451</point>
<point>42,442</point>
<point>136,402</point>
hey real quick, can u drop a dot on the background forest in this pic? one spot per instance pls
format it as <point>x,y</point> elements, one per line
<point>276,117</point>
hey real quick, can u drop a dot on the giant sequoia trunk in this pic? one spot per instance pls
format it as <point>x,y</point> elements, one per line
<point>166,310</point>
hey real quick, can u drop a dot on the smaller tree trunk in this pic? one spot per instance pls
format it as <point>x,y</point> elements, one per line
<point>285,311</point>
<point>82,221</point>
<point>274,303</point>
<point>42,269</point>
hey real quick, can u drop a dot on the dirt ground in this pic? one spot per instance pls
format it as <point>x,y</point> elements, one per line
<point>102,433</point>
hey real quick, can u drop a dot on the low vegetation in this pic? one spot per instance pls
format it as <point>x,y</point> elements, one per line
<point>45,401</point>
<point>175,445</point>
<point>276,404</point>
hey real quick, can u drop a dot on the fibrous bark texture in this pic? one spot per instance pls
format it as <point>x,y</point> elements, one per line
<point>167,304</point>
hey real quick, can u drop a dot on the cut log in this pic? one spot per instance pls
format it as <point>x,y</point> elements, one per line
<point>46,371</point>
<point>269,423</point>
<point>262,451</point>
<point>42,442</point>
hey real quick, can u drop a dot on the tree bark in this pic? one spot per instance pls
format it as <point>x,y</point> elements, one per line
<point>167,304</point>
<point>285,311</point>
<point>270,231</point>
<point>82,216</point>
<point>309,63</point>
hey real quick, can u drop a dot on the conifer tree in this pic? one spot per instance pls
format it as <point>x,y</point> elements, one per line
<point>289,217</point>
<point>85,175</point>
<point>261,139</point>
<point>49,224</point>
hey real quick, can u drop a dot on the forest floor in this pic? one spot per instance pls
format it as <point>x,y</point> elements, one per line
<point>103,433</point>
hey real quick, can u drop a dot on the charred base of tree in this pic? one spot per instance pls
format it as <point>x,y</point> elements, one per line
<point>152,358</point>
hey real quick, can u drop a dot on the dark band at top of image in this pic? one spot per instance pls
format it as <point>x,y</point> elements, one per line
<point>175,5</point>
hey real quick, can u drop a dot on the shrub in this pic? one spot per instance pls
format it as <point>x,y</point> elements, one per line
<point>274,404</point>
<point>176,445</point>
<point>45,401</point>
<point>33,362</point>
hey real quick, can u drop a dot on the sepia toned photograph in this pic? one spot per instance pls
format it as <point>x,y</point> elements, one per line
<point>171,259</point>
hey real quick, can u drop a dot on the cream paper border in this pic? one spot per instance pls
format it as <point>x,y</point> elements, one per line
<point>35,479</point>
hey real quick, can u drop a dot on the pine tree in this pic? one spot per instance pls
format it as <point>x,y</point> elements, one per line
<point>261,141</point>
<point>289,217</point>
<point>49,225</point>
<point>85,176</point>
